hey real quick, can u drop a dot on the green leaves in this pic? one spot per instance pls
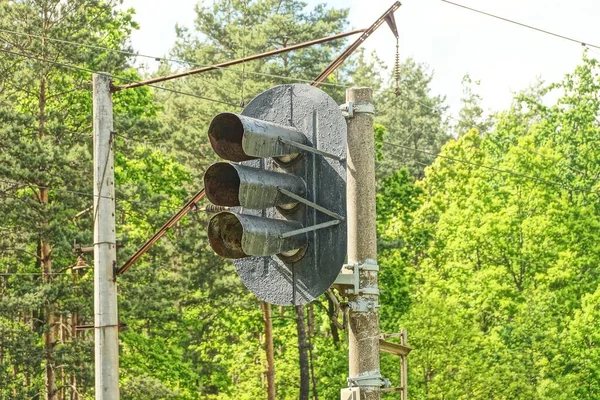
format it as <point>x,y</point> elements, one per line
<point>496,254</point>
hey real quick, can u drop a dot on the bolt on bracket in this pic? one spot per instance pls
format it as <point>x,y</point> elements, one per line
<point>310,149</point>
<point>350,108</point>
<point>363,305</point>
<point>368,380</point>
<point>352,280</point>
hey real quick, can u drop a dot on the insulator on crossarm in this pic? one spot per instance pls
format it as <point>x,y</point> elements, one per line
<point>397,68</point>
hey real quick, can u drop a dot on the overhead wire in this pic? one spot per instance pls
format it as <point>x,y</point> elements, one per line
<point>174,60</point>
<point>74,67</point>
<point>581,42</point>
<point>102,180</point>
<point>69,66</point>
<point>29,185</point>
<point>32,273</point>
<point>492,168</point>
<point>243,75</point>
<point>59,189</point>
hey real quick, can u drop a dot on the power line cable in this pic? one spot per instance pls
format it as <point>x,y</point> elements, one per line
<point>500,170</point>
<point>74,67</point>
<point>174,60</point>
<point>102,180</point>
<point>32,273</point>
<point>80,193</point>
<point>23,184</point>
<point>524,25</point>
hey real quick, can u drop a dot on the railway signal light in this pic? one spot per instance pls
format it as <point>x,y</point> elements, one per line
<point>286,229</point>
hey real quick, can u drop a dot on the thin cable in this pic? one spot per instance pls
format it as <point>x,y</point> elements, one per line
<point>523,25</point>
<point>153,143</point>
<point>32,273</point>
<point>52,188</point>
<point>74,67</point>
<point>108,157</point>
<point>505,171</point>
<point>592,50</point>
<point>174,60</point>
<point>29,185</point>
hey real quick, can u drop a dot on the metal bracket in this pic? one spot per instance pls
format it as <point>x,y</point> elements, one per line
<point>363,305</point>
<point>349,109</point>
<point>310,149</point>
<point>367,265</point>
<point>336,221</point>
<point>369,380</point>
<point>353,281</point>
<point>310,228</point>
<point>311,204</point>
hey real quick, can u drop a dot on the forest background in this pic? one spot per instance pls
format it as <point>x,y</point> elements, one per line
<point>488,224</point>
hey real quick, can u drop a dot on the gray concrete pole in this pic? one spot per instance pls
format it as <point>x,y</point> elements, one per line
<point>363,321</point>
<point>106,325</point>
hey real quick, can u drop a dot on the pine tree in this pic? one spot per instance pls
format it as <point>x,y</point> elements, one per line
<point>45,108</point>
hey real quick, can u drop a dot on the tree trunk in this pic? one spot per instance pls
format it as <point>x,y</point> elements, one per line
<point>311,335</point>
<point>49,317</point>
<point>74,322</point>
<point>303,354</point>
<point>266,308</point>
<point>332,314</point>
<point>45,253</point>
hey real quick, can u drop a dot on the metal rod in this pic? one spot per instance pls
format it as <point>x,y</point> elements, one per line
<point>366,33</point>
<point>311,228</point>
<point>363,325</point>
<point>237,61</point>
<point>404,367</point>
<point>106,342</point>
<point>310,149</point>
<point>311,204</point>
<point>161,232</point>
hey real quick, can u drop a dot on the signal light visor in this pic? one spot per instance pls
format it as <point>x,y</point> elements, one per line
<point>234,235</point>
<point>239,138</point>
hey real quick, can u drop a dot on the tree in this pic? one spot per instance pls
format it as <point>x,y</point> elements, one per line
<point>223,31</point>
<point>471,114</point>
<point>500,255</point>
<point>414,121</point>
<point>45,109</point>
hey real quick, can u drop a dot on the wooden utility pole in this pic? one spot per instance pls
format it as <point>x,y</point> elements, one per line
<point>106,326</point>
<point>363,319</point>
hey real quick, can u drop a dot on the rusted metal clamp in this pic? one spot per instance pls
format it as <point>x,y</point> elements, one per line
<point>369,380</point>
<point>353,280</point>
<point>350,108</point>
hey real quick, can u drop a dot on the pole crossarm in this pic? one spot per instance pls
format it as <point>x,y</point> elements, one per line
<point>237,61</point>
<point>161,232</point>
<point>352,48</point>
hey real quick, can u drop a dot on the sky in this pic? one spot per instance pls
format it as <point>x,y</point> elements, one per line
<point>451,41</point>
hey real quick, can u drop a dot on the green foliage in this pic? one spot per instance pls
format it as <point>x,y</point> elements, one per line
<point>489,252</point>
<point>501,257</point>
<point>471,115</point>
<point>414,120</point>
<point>45,182</point>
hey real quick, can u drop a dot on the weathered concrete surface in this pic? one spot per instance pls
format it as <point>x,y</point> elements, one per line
<point>363,332</point>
